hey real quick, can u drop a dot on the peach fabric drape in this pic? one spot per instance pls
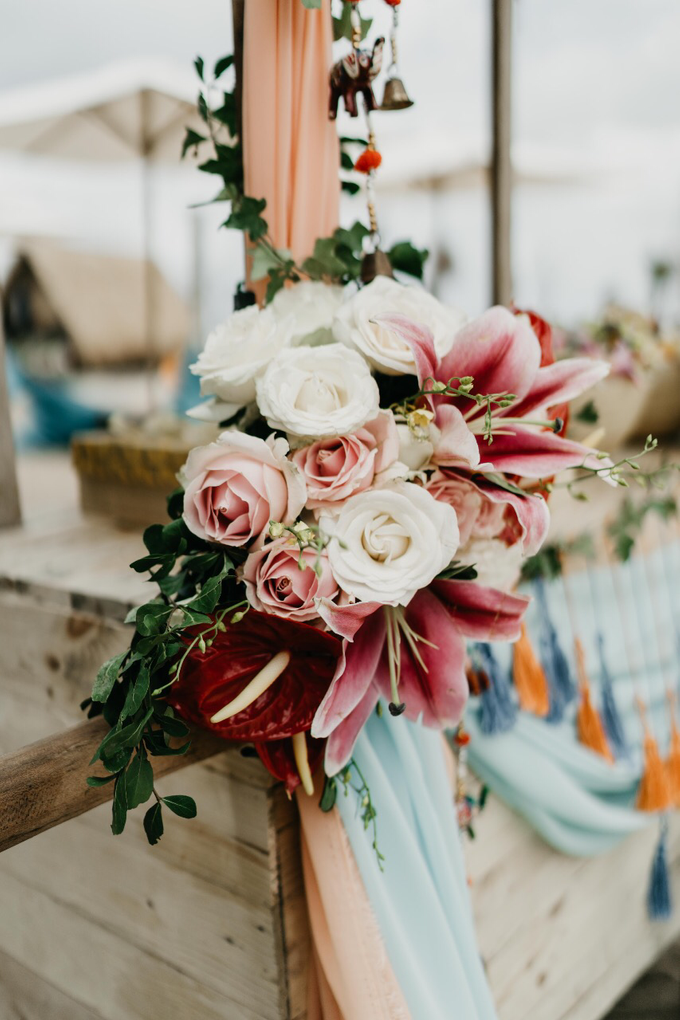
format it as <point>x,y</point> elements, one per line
<point>290,148</point>
<point>352,978</point>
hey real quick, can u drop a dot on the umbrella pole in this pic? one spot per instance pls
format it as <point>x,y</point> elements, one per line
<point>501,166</point>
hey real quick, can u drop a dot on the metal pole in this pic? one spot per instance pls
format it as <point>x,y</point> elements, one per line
<point>501,167</point>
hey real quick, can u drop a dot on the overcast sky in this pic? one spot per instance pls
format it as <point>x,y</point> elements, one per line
<point>599,79</point>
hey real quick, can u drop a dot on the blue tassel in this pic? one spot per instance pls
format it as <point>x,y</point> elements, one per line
<point>561,684</point>
<point>659,905</point>
<point>609,710</point>
<point>499,710</point>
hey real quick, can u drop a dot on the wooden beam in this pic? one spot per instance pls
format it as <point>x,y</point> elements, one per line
<point>10,511</point>
<point>501,166</point>
<point>44,784</point>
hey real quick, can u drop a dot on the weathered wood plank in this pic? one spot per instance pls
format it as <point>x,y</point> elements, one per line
<point>24,995</point>
<point>44,784</point>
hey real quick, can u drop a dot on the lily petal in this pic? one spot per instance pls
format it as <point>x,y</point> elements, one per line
<point>482,613</point>
<point>534,454</point>
<point>531,511</point>
<point>345,620</point>
<point>353,676</point>
<point>436,688</point>
<point>559,383</point>
<point>454,444</point>
<point>341,742</point>
<point>501,353</point>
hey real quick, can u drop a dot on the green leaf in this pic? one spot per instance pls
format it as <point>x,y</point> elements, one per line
<point>192,140</point>
<point>173,727</point>
<point>106,677</point>
<point>247,217</point>
<point>264,261</point>
<point>137,690</point>
<point>227,114</point>
<point>222,65</point>
<point>138,781</point>
<point>152,617</point>
<point>198,64</point>
<point>350,187</point>
<point>209,595</point>
<point>153,824</point>
<point>128,736</point>
<point>162,750</point>
<point>406,258</point>
<point>119,812</point>
<point>185,807</point>
<point>99,780</point>
<point>329,795</point>
<point>312,4</point>
<point>588,413</point>
<point>175,503</point>
<point>115,763</point>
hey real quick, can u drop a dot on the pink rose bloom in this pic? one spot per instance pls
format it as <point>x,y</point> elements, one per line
<point>477,514</point>
<point>341,466</point>
<point>276,584</point>
<point>235,486</point>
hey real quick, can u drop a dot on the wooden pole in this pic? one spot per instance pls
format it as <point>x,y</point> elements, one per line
<point>10,511</point>
<point>501,166</point>
<point>44,784</point>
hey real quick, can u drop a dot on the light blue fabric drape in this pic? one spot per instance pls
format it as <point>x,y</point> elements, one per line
<point>421,898</point>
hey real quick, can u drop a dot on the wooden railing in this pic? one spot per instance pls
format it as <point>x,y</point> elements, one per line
<point>44,784</point>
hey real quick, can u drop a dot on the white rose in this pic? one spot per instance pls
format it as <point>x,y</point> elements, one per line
<point>305,312</point>
<point>235,354</point>
<point>314,392</point>
<point>498,565</point>
<point>387,544</point>
<point>382,348</point>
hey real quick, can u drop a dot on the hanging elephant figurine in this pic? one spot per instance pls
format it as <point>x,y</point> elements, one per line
<point>353,74</point>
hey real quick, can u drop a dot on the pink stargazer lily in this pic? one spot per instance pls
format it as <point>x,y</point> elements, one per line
<point>427,641</point>
<point>503,355</point>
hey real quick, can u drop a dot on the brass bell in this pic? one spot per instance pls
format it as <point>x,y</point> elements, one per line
<point>395,96</point>
<point>375,263</point>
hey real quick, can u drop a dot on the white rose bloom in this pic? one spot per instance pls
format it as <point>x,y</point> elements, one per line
<point>498,565</point>
<point>316,392</point>
<point>415,452</point>
<point>305,312</point>
<point>387,544</point>
<point>385,351</point>
<point>235,354</point>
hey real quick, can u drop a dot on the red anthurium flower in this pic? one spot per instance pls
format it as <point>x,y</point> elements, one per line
<point>278,757</point>
<point>301,660</point>
<point>429,635</point>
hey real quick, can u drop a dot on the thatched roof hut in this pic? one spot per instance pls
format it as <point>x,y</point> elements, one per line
<point>108,309</point>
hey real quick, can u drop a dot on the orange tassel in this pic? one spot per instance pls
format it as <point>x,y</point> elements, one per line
<point>588,721</point>
<point>654,792</point>
<point>529,678</point>
<point>673,759</point>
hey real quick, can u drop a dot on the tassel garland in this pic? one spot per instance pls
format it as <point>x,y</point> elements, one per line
<point>588,722</point>
<point>659,903</point>
<point>499,711</point>
<point>654,792</point>
<point>673,759</point>
<point>561,685</point>
<point>610,713</point>
<point>529,678</point>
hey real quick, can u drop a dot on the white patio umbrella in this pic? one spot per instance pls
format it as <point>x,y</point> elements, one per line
<point>126,111</point>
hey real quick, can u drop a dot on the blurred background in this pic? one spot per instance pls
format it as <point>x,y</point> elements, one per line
<point>100,248</point>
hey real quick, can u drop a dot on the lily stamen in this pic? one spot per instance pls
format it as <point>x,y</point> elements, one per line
<point>302,762</point>
<point>257,686</point>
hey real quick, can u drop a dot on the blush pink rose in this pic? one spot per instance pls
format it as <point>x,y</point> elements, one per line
<point>275,582</point>
<point>477,515</point>
<point>235,486</point>
<point>339,467</point>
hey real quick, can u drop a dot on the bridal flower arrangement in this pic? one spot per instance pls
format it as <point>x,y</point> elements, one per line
<point>379,476</point>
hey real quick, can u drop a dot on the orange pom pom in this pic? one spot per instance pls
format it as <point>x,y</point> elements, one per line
<point>393,3</point>
<point>370,159</point>
<point>529,678</point>
<point>654,792</point>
